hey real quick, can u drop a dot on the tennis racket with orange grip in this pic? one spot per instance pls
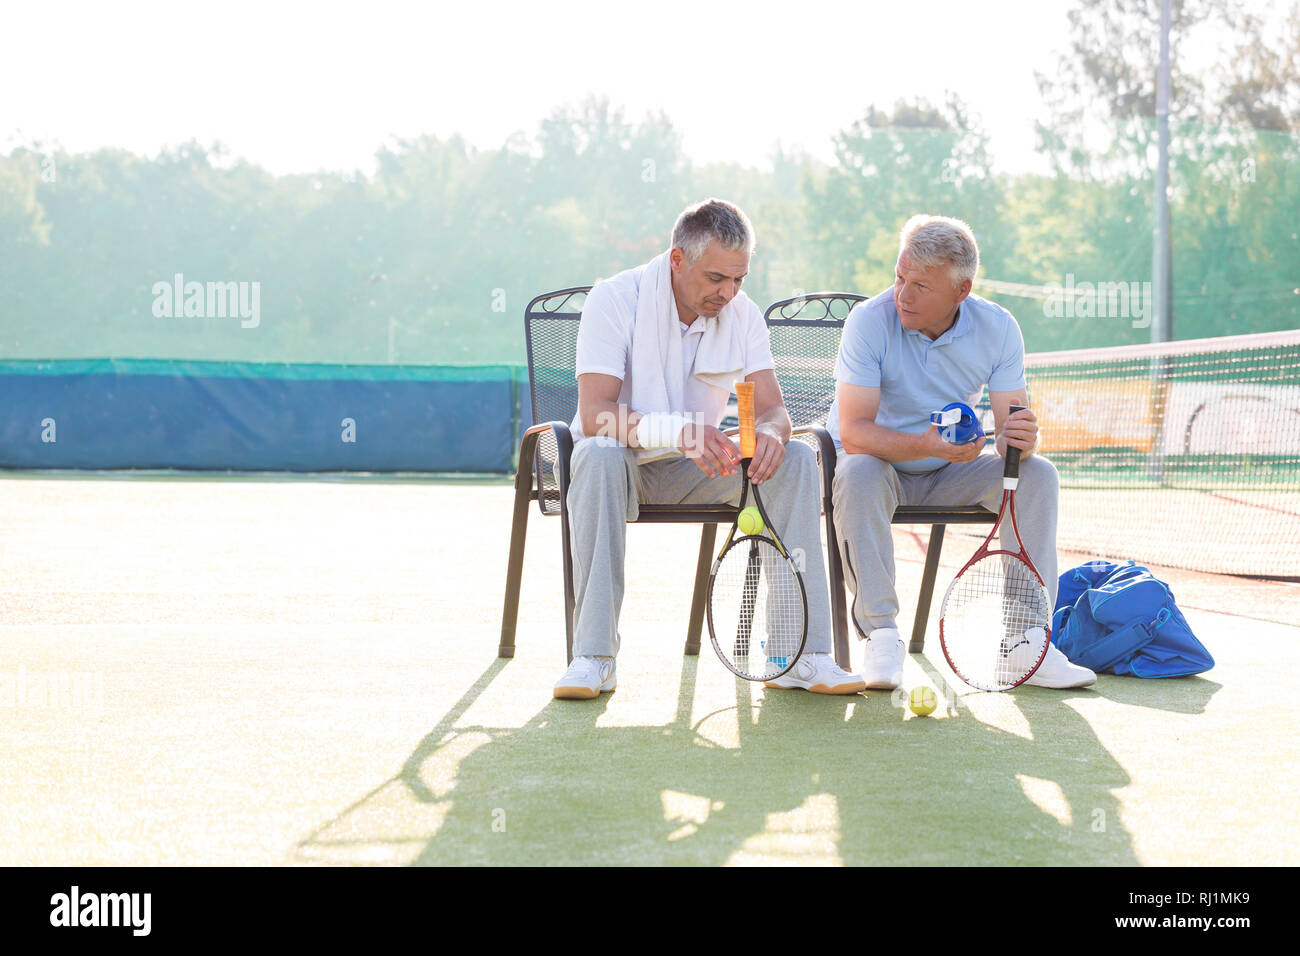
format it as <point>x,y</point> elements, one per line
<point>757,604</point>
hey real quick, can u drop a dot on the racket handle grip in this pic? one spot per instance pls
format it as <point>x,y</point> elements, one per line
<point>745,414</point>
<point>1011,468</point>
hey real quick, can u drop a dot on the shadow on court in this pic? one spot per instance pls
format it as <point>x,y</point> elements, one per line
<point>1179,695</point>
<point>774,777</point>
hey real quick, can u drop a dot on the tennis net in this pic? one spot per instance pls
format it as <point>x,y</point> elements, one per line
<point>1185,454</point>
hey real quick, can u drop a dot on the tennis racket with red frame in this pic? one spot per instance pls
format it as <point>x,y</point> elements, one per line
<point>996,622</point>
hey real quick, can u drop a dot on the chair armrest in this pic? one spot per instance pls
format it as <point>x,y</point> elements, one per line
<point>560,438</point>
<point>826,455</point>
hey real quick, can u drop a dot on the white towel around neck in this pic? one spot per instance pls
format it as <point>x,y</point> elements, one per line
<point>657,381</point>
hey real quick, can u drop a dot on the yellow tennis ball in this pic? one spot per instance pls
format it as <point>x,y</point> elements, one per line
<point>750,521</point>
<point>922,700</point>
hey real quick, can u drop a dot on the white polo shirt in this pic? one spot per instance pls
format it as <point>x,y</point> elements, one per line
<point>605,344</point>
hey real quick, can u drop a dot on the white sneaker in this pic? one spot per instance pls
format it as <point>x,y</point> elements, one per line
<point>1058,673</point>
<point>819,673</point>
<point>587,677</point>
<point>882,659</point>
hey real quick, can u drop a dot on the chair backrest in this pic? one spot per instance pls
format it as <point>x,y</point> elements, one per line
<point>551,334</point>
<point>804,331</point>
<point>805,335</point>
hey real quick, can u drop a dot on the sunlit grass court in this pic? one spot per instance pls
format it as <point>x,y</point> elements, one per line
<point>305,672</point>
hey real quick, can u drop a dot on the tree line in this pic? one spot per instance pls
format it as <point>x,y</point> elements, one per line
<point>431,259</point>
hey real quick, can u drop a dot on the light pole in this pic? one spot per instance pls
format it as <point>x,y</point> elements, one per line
<point>1162,324</point>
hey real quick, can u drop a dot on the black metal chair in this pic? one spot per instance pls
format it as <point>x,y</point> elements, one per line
<point>805,333</point>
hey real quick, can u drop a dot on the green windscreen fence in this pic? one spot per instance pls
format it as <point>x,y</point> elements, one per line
<point>155,414</point>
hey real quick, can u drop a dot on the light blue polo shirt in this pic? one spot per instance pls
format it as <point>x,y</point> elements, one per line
<point>917,376</point>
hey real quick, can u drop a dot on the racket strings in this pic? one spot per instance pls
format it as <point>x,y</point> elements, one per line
<point>757,609</point>
<point>995,622</point>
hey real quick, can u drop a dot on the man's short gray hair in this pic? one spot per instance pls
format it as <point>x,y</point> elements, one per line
<point>712,220</point>
<point>939,240</point>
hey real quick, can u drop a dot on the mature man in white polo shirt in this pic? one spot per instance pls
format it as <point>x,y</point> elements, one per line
<point>906,353</point>
<point>659,348</point>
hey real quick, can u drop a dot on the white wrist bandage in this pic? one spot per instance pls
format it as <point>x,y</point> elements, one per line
<point>660,429</point>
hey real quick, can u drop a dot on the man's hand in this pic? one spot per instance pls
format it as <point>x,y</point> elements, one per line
<point>935,447</point>
<point>713,452</point>
<point>769,452</point>
<point>1020,430</point>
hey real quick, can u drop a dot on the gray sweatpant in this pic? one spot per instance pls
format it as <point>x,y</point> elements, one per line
<point>868,489</point>
<point>607,487</point>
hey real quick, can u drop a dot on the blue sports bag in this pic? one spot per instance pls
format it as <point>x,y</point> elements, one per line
<point>1122,619</point>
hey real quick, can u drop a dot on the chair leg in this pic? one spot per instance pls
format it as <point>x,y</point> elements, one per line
<point>835,575</point>
<point>568,587</point>
<point>698,599</point>
<point>564,454</point>
<point>515,564</point>
<point>927,589</point>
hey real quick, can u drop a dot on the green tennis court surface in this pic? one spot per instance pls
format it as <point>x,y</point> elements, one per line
<point>304,672</point>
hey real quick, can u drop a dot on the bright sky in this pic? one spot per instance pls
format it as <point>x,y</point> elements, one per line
<point>298,87</point>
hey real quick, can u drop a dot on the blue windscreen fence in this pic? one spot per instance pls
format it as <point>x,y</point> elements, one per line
<point>218,416</point>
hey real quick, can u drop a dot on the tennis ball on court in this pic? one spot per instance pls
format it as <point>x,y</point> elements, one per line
<point>922,700</point>
<point>750,521</point>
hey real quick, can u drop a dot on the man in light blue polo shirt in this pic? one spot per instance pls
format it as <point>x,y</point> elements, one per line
<point>906,353</point>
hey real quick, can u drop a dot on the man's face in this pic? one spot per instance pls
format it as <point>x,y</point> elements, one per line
<point>925,297</point>
<point>705,286</point>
